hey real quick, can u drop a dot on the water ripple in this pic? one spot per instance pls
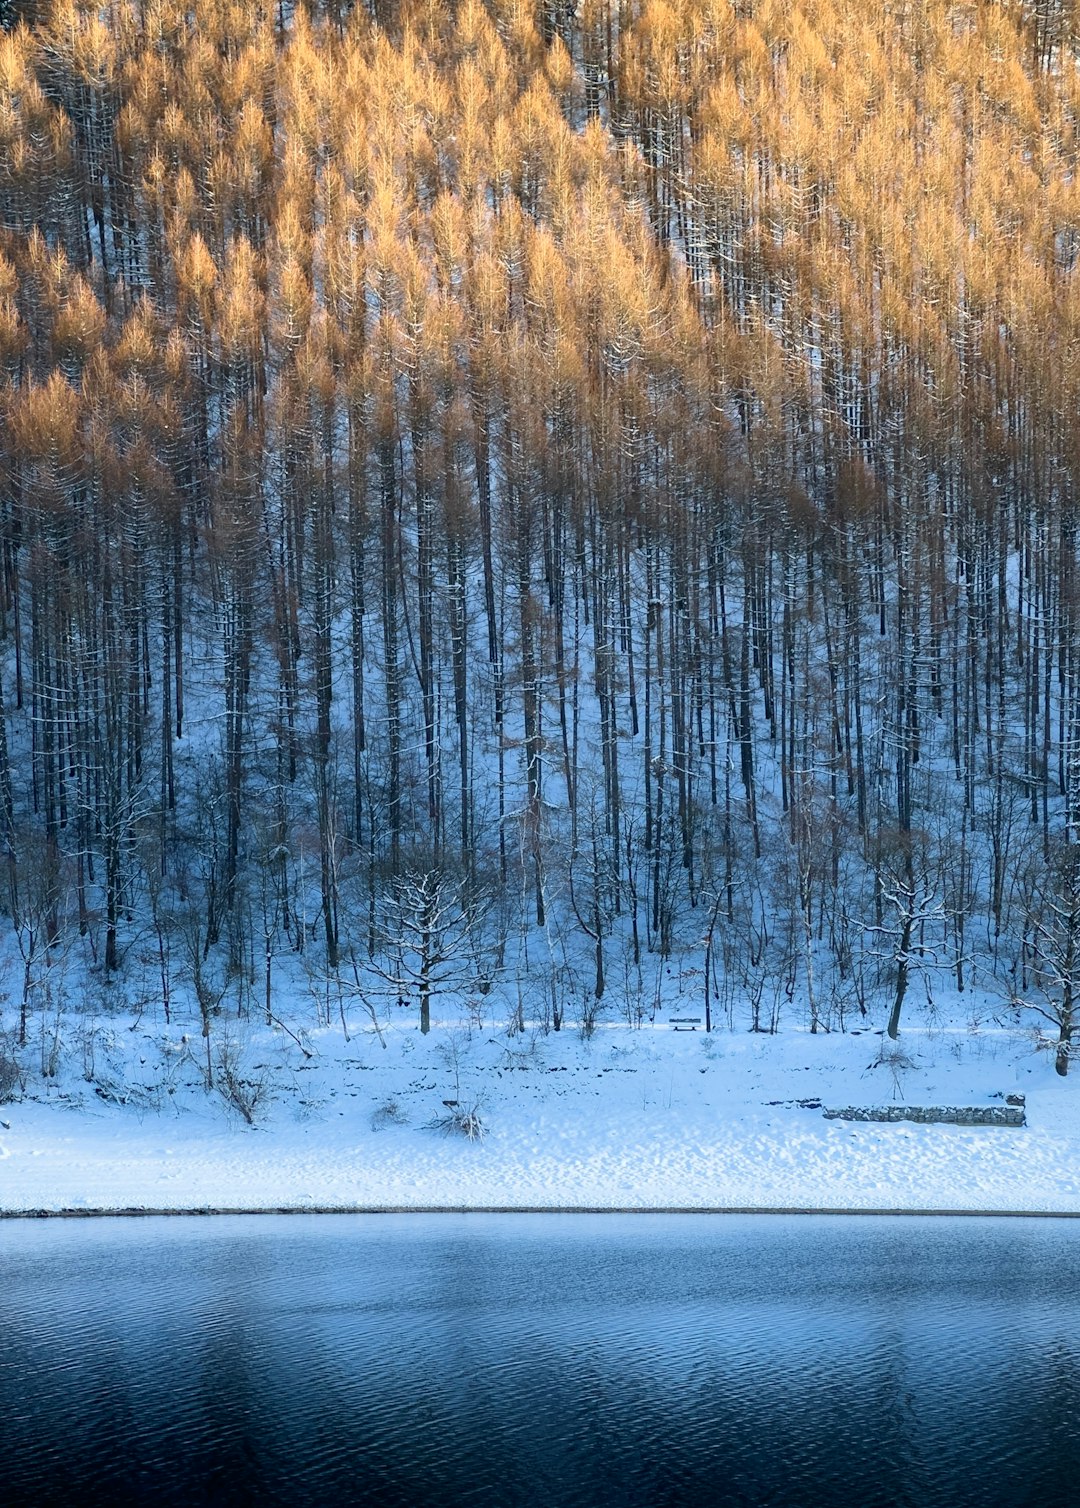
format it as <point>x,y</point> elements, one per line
<point>504,1361</point>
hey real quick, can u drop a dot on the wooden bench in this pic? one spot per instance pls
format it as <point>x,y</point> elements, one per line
<point>685,1023</point>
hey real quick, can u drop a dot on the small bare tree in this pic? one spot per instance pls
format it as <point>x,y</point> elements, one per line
<point>207,982</point>
<point>1052,946</point>
<point>430,927</point>
<point>35,918</point>
<point>912,922</point>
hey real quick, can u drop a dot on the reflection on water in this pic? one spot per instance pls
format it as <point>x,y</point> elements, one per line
<point>561,1360</point>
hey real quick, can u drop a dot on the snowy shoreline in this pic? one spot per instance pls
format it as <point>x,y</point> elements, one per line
<point>137,1212</point>
<point>626,1119</point>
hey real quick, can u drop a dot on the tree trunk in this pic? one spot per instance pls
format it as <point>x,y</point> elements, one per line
<point>901,978</point>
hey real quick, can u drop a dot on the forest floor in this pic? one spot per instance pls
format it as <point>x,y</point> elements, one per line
<point>655,1116</point>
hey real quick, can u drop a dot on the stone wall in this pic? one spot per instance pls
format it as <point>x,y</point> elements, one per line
<point>949,1115</point>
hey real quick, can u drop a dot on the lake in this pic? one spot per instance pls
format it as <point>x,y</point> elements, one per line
<point>540,1360</point>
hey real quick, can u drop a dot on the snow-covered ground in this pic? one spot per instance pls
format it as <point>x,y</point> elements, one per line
<point>634,1118</point>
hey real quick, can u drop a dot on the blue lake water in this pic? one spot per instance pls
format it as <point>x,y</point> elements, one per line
<point>532,1360</point>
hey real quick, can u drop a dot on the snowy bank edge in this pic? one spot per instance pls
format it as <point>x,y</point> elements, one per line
<point>135,1211</point>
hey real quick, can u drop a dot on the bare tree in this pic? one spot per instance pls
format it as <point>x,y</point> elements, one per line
<point>1052,946</point>
<point>429,931</point>
<point>910,934</point>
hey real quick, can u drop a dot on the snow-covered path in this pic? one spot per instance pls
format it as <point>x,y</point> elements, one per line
<point>631,1119</point>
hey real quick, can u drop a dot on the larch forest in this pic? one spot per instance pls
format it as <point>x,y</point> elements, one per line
<point>536,490</point>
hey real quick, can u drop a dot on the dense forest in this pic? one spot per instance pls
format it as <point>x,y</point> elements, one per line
<point>561,492</point>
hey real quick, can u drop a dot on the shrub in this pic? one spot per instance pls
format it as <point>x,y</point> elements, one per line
<point>389,1113</point>
<point>460,1120</point>
<point>11,1083</point>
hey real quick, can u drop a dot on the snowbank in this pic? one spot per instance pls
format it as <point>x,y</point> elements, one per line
<point>649,1118</point>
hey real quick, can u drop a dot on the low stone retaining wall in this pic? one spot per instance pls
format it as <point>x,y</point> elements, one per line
<point>948,1115</point>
